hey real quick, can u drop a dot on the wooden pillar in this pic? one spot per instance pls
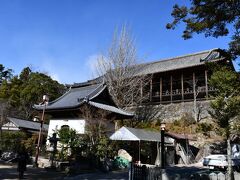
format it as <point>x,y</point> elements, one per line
<point>171,87</point>
<point>151,90</point>
<point>182,86</point>
<point>161,89</point>
<point>206,83</point>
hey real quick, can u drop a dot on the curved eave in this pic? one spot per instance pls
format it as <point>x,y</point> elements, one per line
<point>111,109</point>
<point>92,95</point>
<point>105,107</point>
<point>48,108</point>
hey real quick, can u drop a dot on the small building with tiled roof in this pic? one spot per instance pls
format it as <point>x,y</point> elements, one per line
<point>72,108</point>
<point>15,124</point>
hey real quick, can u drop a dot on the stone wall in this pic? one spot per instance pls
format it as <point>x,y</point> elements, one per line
<point>173,111</point>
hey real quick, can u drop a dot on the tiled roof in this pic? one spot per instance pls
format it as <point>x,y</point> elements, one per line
<point>170,64</point>
<point>97,80</point>
<point>20,123</point>
<point>179,62</point>
<point>179,136</point>
<point>79,95</point>
<point>74,97</point>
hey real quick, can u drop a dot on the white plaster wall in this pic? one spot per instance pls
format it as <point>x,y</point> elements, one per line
<point>76,124</point>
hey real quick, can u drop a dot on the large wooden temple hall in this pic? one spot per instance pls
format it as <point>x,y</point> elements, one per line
<point>178,79</point>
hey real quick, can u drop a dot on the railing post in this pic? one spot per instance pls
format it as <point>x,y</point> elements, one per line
<point>144,172</point>
<point>162,149</point>
<point>130,175</point>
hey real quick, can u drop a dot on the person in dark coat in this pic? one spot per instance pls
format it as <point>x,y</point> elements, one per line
<point>22,162</point>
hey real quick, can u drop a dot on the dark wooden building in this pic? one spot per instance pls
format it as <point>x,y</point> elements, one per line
<point>178,79</point>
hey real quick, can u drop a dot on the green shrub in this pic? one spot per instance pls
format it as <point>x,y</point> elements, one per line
<point>69,142</point>
<point>204,128</point>
<point>29,144</point>
<point>187,119</point>
<point>12,141</point>
<point>183,125</point>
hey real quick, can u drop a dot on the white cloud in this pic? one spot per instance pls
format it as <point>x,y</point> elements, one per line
<point>71,71</point>
<point>92,64</point>
<point>50,68</point>
<point>55,76</point>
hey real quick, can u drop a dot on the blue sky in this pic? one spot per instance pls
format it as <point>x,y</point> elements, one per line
<point>64,37</point>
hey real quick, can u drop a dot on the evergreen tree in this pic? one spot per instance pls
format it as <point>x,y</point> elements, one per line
<point>213,18</point>
<point>5,74</point>
<point>226,103</point>
<point>27,89</point>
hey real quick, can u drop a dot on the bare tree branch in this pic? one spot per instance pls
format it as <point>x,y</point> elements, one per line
<point>119,69</point>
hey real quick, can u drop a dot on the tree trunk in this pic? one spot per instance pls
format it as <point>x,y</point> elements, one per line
<point>195,108</point>
<point>194,97</point>
<point>229,158</point>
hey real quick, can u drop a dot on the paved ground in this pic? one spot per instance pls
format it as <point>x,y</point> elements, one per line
<point>8,171</point>
<point>114,175</point>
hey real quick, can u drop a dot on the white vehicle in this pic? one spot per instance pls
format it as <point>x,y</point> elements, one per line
<point>219,161</point>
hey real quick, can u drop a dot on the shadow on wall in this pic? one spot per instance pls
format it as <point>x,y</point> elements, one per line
<point>147,113</point>
<point>171,112</point>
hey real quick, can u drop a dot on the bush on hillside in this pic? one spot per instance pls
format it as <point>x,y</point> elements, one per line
<point>204,128</point>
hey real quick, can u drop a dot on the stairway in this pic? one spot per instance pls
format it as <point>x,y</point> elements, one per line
<point>187,158</point>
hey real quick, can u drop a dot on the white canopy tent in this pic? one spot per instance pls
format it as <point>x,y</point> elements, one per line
<point>133,134</point>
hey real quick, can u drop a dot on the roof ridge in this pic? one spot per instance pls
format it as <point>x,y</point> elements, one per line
<point>178,57</point>
<point>149,130</point>
<point>60,97</point>
<point>96,90</point>
<point>13,122</point>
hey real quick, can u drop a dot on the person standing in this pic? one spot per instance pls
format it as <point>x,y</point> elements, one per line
<point>22,162</point>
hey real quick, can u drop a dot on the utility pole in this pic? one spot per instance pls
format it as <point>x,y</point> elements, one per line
<point>45,102</point>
